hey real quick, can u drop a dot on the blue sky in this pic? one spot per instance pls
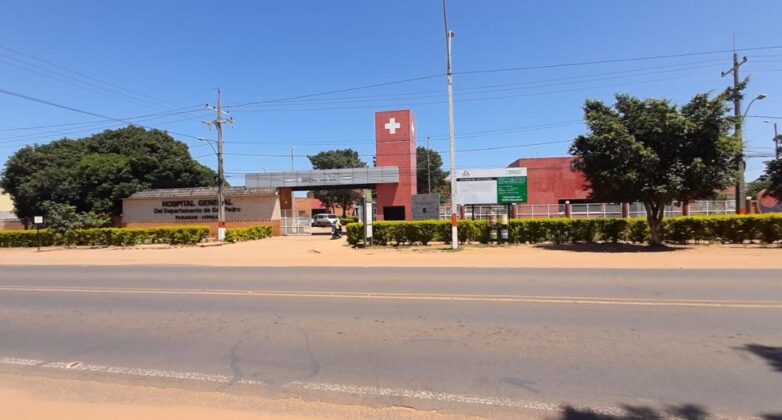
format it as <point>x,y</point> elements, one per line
<point>152,57</point>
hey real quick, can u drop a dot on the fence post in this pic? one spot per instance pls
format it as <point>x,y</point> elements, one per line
<point>685,208</point>
<point>625,210</point>
<point>568,209</point>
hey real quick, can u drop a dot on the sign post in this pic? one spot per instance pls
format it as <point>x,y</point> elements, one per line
<point>368,212</point>
<point>38,221</point>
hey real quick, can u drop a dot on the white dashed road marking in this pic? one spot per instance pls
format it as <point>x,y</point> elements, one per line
<point>444,397</point>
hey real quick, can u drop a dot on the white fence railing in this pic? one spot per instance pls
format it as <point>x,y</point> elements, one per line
<point>590,210</point>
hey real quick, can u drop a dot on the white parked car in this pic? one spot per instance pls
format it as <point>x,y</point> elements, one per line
<point>324,220</point>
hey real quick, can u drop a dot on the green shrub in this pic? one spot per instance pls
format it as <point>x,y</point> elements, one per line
<point>770,228</point>
<point>172,235</point>
<point>733,229</point>
<point>584,230</point>
<point>612,230</point>
<point>248,233</point>
<point>561,230</point>
<point>638,231</point>
<point>355,233</point>
<point>25,238</point>
<point>531,231</point>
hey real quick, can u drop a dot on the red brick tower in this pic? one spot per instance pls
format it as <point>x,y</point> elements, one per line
<point>395,140</point>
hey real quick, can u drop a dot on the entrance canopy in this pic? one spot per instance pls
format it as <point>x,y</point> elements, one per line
<point>352,178</point>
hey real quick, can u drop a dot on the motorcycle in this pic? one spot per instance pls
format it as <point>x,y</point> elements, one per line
<point>336,231</point>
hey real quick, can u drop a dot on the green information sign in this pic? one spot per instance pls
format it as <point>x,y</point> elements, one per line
<point>512,189</point>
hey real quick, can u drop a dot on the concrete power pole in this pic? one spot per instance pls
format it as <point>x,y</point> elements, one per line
<point>293,167</point>
<point>218,125</point>
<point>449,35</point>
<point>740,163</point>
<point>429,168</point>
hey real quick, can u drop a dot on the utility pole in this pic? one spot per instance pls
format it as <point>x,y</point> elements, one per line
<point>429,168</point>
<point>293,168</point>
<point>776,139</point>
<point>449,35</point>
<point>217,123</point>
<point>294,215</point>
<point>740,164</point>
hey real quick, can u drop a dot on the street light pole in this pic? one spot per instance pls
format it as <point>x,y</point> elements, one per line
<point>449,35</point>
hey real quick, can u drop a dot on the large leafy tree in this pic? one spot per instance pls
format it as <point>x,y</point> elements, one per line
<point>652,151</point>
<point>774,175</point>
<point>93,174</point>
<point>337,159</point>
<point>430,171</point>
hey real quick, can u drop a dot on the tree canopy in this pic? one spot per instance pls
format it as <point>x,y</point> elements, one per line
<point>774,176</point>
<point>94,173</point>
<point>651,151</point>
<point>337,159</point>
<point>430,170</point>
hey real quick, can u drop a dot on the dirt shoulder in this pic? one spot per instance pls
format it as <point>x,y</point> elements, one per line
<point>321,251</point>
<point>30,397</point>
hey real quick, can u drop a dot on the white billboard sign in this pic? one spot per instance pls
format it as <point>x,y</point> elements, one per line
<point>491,186</point>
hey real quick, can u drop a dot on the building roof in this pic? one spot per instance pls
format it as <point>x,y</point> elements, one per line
<point>199,192</point>
<point>325,178</point>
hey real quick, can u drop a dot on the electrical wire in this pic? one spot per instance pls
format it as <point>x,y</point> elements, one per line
<point>94,114</point>
<point>85,76</point>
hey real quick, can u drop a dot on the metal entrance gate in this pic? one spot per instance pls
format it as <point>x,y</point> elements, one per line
<point>292,224</point>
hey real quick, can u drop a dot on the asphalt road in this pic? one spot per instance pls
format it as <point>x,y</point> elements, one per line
<point>495,342</point>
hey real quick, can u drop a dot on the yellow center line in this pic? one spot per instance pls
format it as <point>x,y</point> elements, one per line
<point>584,300</point>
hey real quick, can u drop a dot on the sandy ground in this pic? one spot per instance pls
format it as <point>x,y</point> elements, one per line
<point>321,251</point>
<point>30,397</point>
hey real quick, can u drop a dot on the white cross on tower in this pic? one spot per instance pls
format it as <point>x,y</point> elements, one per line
<point>392,125</point>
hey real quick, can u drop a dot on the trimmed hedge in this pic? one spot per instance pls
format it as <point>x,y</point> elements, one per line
<point>172,235</point>
<point>722,229</point>
<point>248,234</point>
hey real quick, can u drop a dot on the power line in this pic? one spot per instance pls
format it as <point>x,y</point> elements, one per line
<point>509,69</point>
<point>101,126</point>
<point>183,110</point>
<point>514,86</point>
<point>73,81</point>
<point>482,149</point>
<point>488,98</point>
<point>138,94</point>
<point>440,137</point>
<point>613,61</point>
<point>94,114</point>
<point>330,92</point>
